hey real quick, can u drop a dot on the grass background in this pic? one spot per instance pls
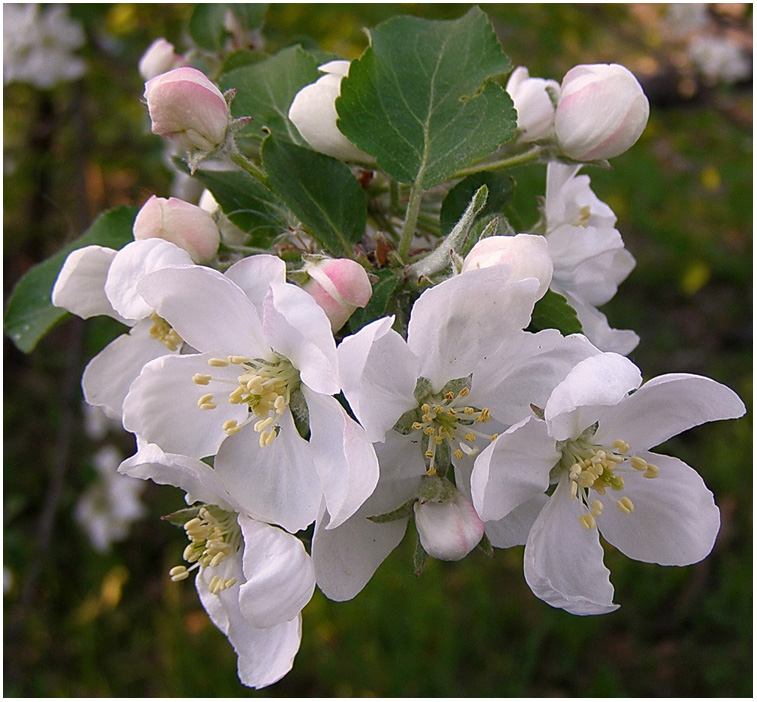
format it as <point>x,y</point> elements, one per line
<point>79,623</point>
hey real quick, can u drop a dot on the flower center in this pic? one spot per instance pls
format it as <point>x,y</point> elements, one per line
<point>164,333</point>
<point>214,535</point>
<point>264,386</point>
<point>594,467</point>
<point>446,420</point>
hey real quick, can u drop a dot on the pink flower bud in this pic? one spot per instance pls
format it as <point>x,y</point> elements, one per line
<point>188,108</point>
<point>314,114</point>
<point>448,530</point>
<point>184,225</point>
<point>159,58</point>
<point>527,255</point>
<point>536,113</point>
<point>339,286</point>
<point>601,113</point>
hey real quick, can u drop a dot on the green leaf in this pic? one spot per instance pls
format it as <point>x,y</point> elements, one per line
<point>265,91</point>
<point>320,191</point>
<point>206,26</point>
<point>248,204</point>
<point>379,302</point>
<point>554,312</point>
<point>249,14</point>
<point>501,189</point>
<point>421,98</point>
<point>30,313</point>
<point>182,516</point>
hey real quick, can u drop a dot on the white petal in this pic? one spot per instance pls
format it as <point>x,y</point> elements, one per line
<point>276,483</point>
<point>108,376</point>
<point>674,520</point>
<point>563,561</point>
<point>255,274</point>
<point>456,324</point>
<point>343,456</point>
<point>596,328</point>
<point>161,406</point>
<point>667,405</point>
<point>279,575</point>
<point>207,310</point>
<point>588,390</point>
<point>513,469</point>
<point>298,329</point>
<point>80,286</point>
<point>133,262</point>
<point>513,529</point>
<point>378,373</point>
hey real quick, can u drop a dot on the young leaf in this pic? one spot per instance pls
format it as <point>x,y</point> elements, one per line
<point>554,312</point>
<point>421,98</point>
<point>320,191</point>
<point>30,313</point>
<point>206,25</point>
<point>265,91</point>
<point>501,188</point>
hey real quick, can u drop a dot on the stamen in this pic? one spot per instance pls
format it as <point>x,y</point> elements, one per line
<point>625,505</point>
<point>218,362</point>
<point>587,521</point>
<point>201,379</point>
<point>163,332</point>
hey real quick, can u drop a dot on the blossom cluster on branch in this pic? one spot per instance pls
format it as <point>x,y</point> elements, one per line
<point>348,335</point>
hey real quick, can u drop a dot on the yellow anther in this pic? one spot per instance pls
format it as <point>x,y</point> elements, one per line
<point>431,470</point>
<point>625,505</point>
<point>493,437</point>
<point>218,362</point>
<point>638,463</point>
<point>587,521</point>
<point>207,406</point>
<point>463,392</point>
<point>485,415</point>
<point>238,360</point>
<point>451,412</point>
<point>425,408</point>
<point>178,573</point>
<point>596,508</point>
<point>263,424</point>
<point>417,426</point>
<point>279,404</point>
<point>587,479</point>
<point>470,437</point>
<point>430,454</point>
<point>458,454</point>
<point>621,445</point>
<point>205,399</point>
<point>652,471</point>
<point>469,410</point>
<point>236,395</point>
<point>201,378</point>
<point>449,396</point>
<point>429,431</point>
<point>573,489</point>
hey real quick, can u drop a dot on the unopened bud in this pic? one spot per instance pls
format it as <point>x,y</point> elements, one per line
<point>339,286</point>
<point>159,58</point>
<point>448,530</point>
<point>536,112</point>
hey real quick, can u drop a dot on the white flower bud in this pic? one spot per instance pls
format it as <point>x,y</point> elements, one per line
<point>314,114</point>
<point>185,225</point>
<point>536,112</point>
<point>601,113</point>
<point>527,256</point>
<point>448,530</point>
<point>159,58</point>
<point>186,107</point>
<point>339,286</point>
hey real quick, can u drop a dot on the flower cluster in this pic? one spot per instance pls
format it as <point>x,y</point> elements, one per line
<point>317,379</point>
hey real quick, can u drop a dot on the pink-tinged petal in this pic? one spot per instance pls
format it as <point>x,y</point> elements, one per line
<point>207,310</point>
<point>277,483</point>
<point>378,373</point>
<point>526,371</point>
<point>674,520</point>
<point>134,261</point>
<point>562,562</point>
<point>256,274</point>
<point>458,323</point>
<point>343,457</point>
<point>586,393</point>
<point>279,575</point>
<point>80,287</point>
<point>299,330</point>
<point>667,405</point>
<point>513,469</point>
<point>162,405</point>
<point>196,478</point>
<point>109,375</point>
<point>513,530</point>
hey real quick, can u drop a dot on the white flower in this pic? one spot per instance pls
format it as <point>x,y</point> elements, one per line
<point>467,371</point>
<point>718,58</point>
<point>159,58</point>
<point>108,507</point>
<point>531,96</point>
<point>589,257</point>
<point>96,280</point>
<point>267,361</point>
<point>594,441</point>
<point>253,579</point>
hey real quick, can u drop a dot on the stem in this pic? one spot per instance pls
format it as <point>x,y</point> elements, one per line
<point>249,167</point>
<point>394,195</point>
<point>411,218</point>
<point>519,159</point>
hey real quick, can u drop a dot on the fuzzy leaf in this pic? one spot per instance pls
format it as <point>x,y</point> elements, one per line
<point>501,188</point>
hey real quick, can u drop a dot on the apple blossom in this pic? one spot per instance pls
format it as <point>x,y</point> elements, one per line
<point>533,102</point>
<point>188,108</point>
<point>339,286</point>
<point>188,226</point>
<point>314,114</point>
<point>601,112</point>
<point>593,446</point>
<point>159,58</point>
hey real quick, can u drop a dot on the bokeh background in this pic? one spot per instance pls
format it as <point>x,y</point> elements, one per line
<point>83,621</point>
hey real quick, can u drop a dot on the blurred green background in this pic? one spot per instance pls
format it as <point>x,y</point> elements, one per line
<point>82,623</point>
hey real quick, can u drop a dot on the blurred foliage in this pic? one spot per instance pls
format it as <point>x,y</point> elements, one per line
<point>78,623</point>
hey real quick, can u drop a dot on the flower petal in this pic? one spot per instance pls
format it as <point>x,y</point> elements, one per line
<point>255,274</point>
<point>513,529</point>
<point>513,469</point>
<point>279,575</point>
<point>586,393</point>
<point>276,483</point>
<point>674,520</point>
<point>667,405</point>
<point>343,457</point>
<point>563,561</point>
<point>596,328</point>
